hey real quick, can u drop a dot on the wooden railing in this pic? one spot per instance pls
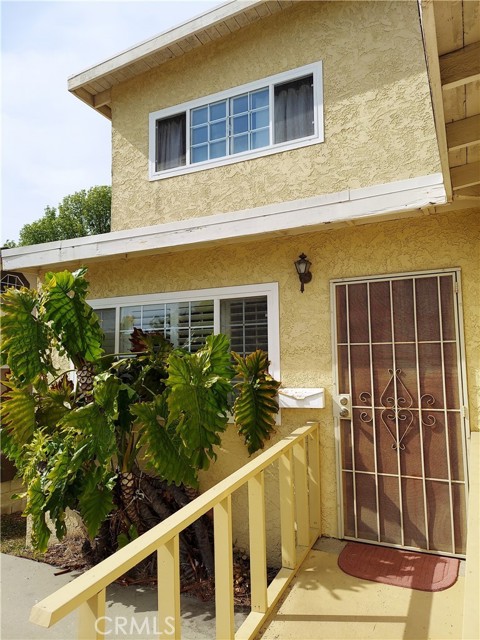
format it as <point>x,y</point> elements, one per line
<point>300,517</point>
<point>471,616</point>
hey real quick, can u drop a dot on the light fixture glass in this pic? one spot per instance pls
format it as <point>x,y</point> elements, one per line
<point>302,265</point>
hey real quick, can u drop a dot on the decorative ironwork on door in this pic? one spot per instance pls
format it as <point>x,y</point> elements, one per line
<point>399,412</point>
<point>397,409</point>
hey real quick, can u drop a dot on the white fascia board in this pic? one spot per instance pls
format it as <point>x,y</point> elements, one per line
<point>160,41</point>
<point>298,216</point>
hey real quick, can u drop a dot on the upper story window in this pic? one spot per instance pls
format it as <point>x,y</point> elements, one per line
<point>281,112</point>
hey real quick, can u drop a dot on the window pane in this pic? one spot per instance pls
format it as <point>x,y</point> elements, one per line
<point>240,104</point>
<point>239,144</point>
<point>294,110</point>
<point>125,344</point>
<point>260,138</point>
<point>260,119</point>
<point>240,124</point>
<point>245,321</point>
<point>107,324</point>
<point>218,149</point>
<point>199,116</point>
<point>199,135</point>
<point>178,313</point>
<point>248,112</point>
<point>259,99</point>
<point>183,339</point>
<point>218,110</point>
<point>218,130</point>
<point>198,337</point>
<point>130,317</point>
<point>201,313</point>
<point>170,142</point>
<point>153,317</point>
<point>199,154</point>
<point>106,318</point>
<point>189,323</point>
<point>192,340</point>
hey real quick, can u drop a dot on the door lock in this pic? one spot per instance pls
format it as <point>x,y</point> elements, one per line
<point>343,406</point>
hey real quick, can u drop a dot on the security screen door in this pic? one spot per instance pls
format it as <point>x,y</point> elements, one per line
<point>400,409</point>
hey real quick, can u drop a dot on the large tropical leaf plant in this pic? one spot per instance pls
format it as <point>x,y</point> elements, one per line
<point>121,440</point>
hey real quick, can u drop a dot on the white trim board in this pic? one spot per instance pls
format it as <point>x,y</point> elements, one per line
<point>161,41</point>
<point>286,218</point>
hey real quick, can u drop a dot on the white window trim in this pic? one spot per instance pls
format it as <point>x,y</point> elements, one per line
<point>219,293</point>
<point>315,69</point>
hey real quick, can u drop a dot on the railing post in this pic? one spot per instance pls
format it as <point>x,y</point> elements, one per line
<point>314,482</point>
<point>168,589</point>
<point>301,494</point>
<point>222,522</point>
<point>258,543</point>
<point>91,618</point>
<point>287,510</point>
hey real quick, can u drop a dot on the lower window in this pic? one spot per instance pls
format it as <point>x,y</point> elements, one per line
<point>248,315</point>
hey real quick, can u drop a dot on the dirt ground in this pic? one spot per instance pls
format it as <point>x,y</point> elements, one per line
<point>69,555</point>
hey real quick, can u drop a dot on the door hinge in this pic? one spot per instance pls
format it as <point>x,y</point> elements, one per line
<point>464,412</point>
<point>456,287</point>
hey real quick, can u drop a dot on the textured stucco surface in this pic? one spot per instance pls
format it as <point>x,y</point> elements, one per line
<point>377,112</point>
<point>431,242</point>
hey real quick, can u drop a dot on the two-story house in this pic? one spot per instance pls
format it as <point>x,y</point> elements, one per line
<point>343,131</point>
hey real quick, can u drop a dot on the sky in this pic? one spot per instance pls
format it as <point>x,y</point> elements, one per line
<point>52,143</point>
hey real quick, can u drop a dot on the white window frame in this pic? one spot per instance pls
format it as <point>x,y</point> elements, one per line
<point>270,290</point>
<point>314,69</point>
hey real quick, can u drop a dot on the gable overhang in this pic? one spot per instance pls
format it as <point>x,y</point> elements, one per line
<point>93,85</point>
<point>404,198</point>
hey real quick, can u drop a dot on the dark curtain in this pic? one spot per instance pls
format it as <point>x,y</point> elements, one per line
<point>294,110</point>
<point>171,142</point>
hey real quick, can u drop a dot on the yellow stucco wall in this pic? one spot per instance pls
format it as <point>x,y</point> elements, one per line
<point>438,241</point>
<point>378,121</point>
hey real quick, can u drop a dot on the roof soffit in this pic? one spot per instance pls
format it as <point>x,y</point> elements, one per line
<point>93,85</point>
<point>452,42</point>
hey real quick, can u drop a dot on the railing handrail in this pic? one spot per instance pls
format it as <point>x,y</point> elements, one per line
<point>69,597</point>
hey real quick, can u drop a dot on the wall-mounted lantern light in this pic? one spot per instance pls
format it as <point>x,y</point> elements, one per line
<point>302,265</point>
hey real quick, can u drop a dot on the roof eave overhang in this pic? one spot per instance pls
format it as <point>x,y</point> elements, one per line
<point>351,206</point>
<point>93,85</point>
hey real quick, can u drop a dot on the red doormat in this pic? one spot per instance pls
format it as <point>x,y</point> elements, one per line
<point>399,568</point>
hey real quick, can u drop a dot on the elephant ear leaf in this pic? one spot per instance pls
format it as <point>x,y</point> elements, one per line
<point>18,421</point>
<point>25,340</point>
<point>73,321</point>
<point>164,450</point>
<point>96,499</point>
<point>36,509</point>
<point>217,348</point>
<point>94,427</point>
<point>198,402</point>
<point>256,405</point>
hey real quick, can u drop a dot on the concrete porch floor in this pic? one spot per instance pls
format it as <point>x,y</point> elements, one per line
<point>324,603</point>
